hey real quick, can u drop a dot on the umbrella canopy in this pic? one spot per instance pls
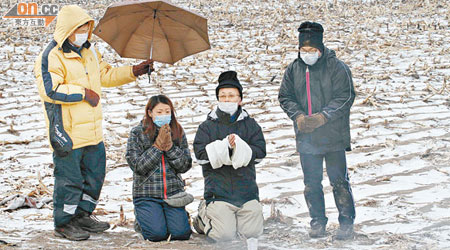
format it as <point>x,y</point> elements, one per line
<point>155,30</point>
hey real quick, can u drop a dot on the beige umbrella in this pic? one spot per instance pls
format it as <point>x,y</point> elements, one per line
<point>155,30</point>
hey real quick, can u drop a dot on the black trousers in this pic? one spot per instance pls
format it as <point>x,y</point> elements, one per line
<point>336,166</point>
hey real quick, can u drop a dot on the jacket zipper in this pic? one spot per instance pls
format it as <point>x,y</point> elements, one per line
<point>84,62</point>
<point>231,131</point>
<point>308,91</point>
<point>164,177</point>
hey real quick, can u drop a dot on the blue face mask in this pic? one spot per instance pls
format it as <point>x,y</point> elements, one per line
<point>162,120</point>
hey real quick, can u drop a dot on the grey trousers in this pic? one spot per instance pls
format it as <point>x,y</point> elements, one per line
<point>222,221</point>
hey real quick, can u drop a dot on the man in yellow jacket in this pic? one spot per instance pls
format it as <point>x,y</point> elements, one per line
<point>69,74</point>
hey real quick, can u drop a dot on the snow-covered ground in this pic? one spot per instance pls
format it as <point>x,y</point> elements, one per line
<point>398,52</point>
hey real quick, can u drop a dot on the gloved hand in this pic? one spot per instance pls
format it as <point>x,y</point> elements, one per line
<point>167,137</point>
<point>163,141</point>
<point>143,68</point>
<point>315,120</point>
<point>301,126</point>
<point>91,97</point>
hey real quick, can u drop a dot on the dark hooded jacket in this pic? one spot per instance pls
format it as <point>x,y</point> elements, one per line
<point>235,186</point>
<point>332,94</point>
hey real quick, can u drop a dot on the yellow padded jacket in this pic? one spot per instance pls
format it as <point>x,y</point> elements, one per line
<point>69,74</point>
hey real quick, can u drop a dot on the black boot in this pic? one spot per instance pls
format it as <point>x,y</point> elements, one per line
<point>317,231</point>
<point>71,232</point>
<point>345,232</point>
<point>90,223</point>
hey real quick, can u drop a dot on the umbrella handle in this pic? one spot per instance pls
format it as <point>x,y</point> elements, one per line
<point>153,33</point>
<point>151,46</point>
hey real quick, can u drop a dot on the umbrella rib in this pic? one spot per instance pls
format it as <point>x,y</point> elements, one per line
<point>128,40</point>
<point>185,25</point>
<point>149,7</point>
<point>165,35</point>
<point>121,14</point>
<point>155,16</point>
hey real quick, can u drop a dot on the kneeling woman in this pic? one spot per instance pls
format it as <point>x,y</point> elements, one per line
<point>157,152</point>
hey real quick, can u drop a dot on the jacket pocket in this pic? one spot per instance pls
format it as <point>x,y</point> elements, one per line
<point>145,179</point>
<point>173,177</point>
<point>328,134</point>
<point>67,118</point>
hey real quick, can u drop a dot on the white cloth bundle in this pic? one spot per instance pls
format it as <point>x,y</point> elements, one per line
<point>218,153</point>
<point>242,154</point>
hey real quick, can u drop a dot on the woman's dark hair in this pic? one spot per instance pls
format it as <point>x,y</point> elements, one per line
<point>175,127</point>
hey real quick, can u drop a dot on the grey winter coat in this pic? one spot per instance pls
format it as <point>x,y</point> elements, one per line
<point>332,94</point>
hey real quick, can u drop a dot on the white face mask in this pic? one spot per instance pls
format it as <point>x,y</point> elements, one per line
<point>80,39</point>
<point>228,107</point>
<point>310,58</point>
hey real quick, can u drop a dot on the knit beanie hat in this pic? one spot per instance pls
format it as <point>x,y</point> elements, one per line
<point>311,34</point>
<point>228,79</point>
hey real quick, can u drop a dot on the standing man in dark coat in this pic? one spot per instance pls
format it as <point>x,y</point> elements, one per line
<point>317,93</point>
<point>228,145</point>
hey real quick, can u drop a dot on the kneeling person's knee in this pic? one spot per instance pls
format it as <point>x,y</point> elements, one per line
<point>223,235</point>
<point>252,229</point>
<point>181,235</point>
<point>154,237</point>
<point>250,220</point>
<point>154,233</point>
